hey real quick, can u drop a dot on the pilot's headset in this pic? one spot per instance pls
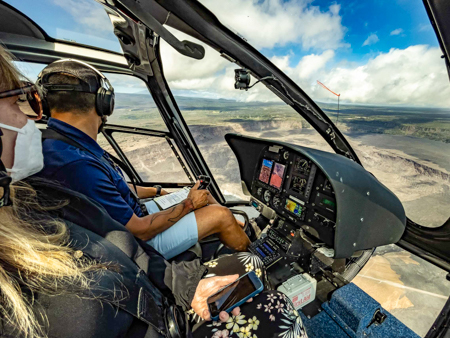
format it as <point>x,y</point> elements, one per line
<point>91,81</point>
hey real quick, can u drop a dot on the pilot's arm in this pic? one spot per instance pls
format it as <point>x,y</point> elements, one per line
<point>146,192</point>
<point>93,180</point>
<point>149,226</point>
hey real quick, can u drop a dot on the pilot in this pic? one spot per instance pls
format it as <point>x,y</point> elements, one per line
<point>66,274</point>
<point>80,98</point>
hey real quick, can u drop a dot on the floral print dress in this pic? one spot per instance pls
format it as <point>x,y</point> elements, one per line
<point>270,314</point>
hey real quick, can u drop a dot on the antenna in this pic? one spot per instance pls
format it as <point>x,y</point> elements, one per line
<point>338,96</point>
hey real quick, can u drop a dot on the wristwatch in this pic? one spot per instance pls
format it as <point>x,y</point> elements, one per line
<point>158,190</point>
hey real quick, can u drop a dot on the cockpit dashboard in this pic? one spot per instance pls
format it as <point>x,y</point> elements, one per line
<point>296,189</point>
<point>327,198</point>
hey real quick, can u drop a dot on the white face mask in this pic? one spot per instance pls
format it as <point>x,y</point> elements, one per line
<point>28,158</point>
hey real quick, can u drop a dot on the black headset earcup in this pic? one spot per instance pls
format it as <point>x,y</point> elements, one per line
<point>99,101</point>
<point>112,100</point>
<point>104,102</point>
<point>45,107</point>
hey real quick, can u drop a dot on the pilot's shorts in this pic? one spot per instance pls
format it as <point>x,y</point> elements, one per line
<point>178,238</point>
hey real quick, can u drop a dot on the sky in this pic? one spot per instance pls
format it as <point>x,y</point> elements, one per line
<point>381,52</point>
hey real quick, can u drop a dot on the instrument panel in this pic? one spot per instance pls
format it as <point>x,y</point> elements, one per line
<point>337,204</point>
<point>297,190</point>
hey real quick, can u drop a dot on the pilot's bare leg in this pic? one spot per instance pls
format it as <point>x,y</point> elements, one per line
<point>216,219</point>
<point>212,200</point>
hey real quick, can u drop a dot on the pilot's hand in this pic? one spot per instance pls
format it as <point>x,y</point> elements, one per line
<point>199,198</point>
<point>207,287</point>
<point>163,192</point>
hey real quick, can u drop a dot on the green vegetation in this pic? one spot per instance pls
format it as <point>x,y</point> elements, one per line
<point>139,110</point>
<point>433,124</point>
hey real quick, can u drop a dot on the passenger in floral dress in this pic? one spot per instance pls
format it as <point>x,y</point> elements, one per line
<point>270,314</point>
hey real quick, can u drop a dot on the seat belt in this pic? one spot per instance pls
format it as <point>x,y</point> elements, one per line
<point>55,135</point>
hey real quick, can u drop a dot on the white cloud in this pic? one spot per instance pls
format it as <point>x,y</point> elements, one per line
<point>415,76</point>
<point>310,64</point>
<point>268,23</point>
<point>412,76</point>
<point>397,31</point>
<point>425,27</point>
<point>372,39</point>
<point>281,62</point>
<point>179,68</point>
<point>89,14</point>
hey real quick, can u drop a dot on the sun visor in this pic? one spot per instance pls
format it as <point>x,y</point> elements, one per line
<point>143,9</point>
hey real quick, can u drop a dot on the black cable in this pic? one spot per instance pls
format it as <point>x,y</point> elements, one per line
<point>271,77</point>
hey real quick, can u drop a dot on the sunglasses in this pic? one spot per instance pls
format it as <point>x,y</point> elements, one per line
<point>29,101</point>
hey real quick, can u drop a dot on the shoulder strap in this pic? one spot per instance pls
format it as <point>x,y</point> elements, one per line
<point>55,135</point>
<point>141,298</point>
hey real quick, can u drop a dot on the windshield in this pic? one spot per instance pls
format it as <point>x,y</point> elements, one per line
<point>211,107</point>
<point>382,82</point>
<point>384,85</point>
<point>80,21</point>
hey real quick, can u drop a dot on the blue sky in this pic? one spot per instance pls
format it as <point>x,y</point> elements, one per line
<point>380,17</point>
<point>83,21</point>
<point>346,44</point>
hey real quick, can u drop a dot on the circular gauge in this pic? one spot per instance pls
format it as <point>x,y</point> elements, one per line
<point>299,183</point>
<point>276,201</point>
<point>303,165</point>
<point>259,191</point>
<point>267,196</point>
<point>302,182</point>
<point>286,155</point>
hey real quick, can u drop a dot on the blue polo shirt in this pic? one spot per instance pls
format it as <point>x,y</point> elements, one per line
<point>85,172</point>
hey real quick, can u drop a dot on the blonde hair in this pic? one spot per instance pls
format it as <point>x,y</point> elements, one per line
<point>35,256</point>
<point>9,75</point>
<point>34,251</point>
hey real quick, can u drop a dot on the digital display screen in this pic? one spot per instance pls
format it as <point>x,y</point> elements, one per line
<point>326,202</point>
<point>230,295</point>
<point>277,175</point>
<point>268,247</point>
<point>266,169</point>
<point>293,207</point>
<point>263,255</point>
<point>329,203</point>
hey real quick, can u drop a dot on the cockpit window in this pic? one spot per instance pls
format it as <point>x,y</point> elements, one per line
<point>408,150</point>
<point>393,85</point>
<point>81,21</point>
<point>204,91</point>
<point>134,105</point>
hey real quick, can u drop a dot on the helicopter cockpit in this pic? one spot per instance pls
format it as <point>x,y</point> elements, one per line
<point>321,214</point>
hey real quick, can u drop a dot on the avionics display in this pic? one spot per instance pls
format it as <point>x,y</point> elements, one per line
<point>293,207</point>
<point>266,169</point>
<point>325,202</point>
<point>265,250</point>
<point>328,202</point>
<point>277,175</point>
